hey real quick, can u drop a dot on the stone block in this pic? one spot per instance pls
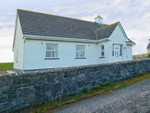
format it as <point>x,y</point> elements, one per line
<point>45,87</point>
<point>38,87</point>
<point>11,94</point>
<point>93,83</point>
<point>16,81</point>
<point>81,83</point>
<point>65,91</point>
<point>118,69</point>
<point>72,86</point>
<point>24,91</point>
<point>56,89</point>
<point>81,76</point>
<point>51,77</point>
<point>36,97</point>
<point>60,76</point>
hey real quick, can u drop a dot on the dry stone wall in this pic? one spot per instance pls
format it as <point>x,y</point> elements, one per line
<point>19,91</point>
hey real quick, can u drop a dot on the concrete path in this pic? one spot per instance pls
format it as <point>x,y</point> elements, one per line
<point>133,99</point>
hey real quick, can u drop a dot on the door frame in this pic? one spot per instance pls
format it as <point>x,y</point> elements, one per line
<point>121,57</point>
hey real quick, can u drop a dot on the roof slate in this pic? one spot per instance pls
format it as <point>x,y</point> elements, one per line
<point>106,31</point>
<point>34,23</point>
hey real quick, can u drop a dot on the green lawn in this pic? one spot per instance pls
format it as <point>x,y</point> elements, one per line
<point>6,65</point>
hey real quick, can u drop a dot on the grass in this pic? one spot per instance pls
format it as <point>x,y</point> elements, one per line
<point>102,90</point>
<point>6,65</point>
<point>138,58</point>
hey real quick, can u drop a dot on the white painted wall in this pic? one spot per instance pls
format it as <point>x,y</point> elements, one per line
<point>129,52</point>
<point>117,37</point>
<point>18,46</point>
<point>35,52</point>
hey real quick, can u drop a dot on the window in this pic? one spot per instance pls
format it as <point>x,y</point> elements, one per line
<point>17,56</point>
<point>120,50</point>
<point>102,50</point>
<point>51,50</point>
<point>80,50</point>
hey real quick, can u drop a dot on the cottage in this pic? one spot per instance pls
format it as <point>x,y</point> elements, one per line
<point>45,41</point>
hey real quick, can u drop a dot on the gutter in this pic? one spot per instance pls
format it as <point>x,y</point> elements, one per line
<point>35,37</point>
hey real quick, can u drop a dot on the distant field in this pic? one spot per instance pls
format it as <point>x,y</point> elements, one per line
<point>6,65</point>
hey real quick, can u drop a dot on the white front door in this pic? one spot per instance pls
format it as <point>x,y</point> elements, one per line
<point>117,53</point>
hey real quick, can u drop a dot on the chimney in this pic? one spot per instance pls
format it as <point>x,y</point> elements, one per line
<point>99,20</point>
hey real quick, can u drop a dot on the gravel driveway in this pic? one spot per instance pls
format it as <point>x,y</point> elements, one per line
<point>133,99</point>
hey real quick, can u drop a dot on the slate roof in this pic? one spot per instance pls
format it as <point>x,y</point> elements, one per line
<point>130,41</point>
<point>148,47</point>
<point>106,31</point>
<point>34,23</point>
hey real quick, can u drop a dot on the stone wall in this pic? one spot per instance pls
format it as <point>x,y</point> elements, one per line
<point>18,91</point>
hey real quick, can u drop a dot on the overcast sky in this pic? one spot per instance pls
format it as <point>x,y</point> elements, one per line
<point>134,16</point>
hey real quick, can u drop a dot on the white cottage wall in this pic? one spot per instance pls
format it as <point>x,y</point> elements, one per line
<point>129,52</point>
<point>35,53</point>
<point>117,37</point>
<point>18,46</point>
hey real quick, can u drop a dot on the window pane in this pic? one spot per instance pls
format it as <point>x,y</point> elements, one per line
<point>55,47</point>
<point>48,46</point>
<point>102,53</point>
<point>82,54</point>
<point>102,47</point>
<point>77,54</point>
<point>79,47</point>
<point>82,47</point>
<point>48,53</point>
<point>52,47</point>
<point>54,53</point>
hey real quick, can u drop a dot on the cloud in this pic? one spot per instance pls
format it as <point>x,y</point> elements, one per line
<point>6,31</point>
<point>6,55</point>
<point>7,23</point>
<point>133,14</point>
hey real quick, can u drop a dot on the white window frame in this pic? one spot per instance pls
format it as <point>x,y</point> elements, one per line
<point>102,51</point>
<point>79,51</point>
<point>52,50</point>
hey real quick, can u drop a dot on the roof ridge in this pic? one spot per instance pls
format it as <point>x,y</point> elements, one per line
<point>56,16</point>
<point>108,25</point>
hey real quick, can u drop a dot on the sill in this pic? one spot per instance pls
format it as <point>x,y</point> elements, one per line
<point>80,58</point>
<point>101,57</point>
<point>51,59</point>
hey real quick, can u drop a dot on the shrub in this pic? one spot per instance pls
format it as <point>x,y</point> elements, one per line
<point>72,94</point>
<point>85,91</point>
<point>59,104</point>
<point>140,73</point>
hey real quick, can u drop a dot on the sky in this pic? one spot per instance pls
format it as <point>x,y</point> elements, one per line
<point>134,16</point>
